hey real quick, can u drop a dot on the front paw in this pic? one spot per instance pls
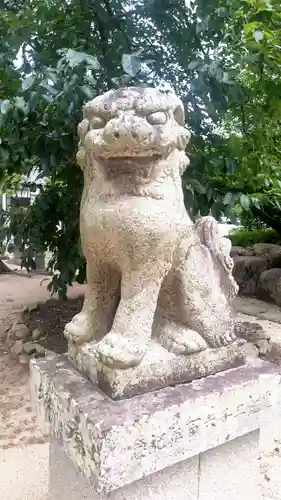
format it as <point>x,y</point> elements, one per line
<point>79,330</point>
<point>120,352</point>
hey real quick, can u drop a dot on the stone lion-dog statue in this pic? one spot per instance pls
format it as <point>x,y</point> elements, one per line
<point>151,272</point>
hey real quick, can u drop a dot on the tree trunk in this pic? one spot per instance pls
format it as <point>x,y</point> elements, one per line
<point>4,268</point>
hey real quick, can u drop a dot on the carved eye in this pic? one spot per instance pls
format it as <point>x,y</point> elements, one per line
<point>157,118</point>
<point>97,122</point>
<point>179,115</point>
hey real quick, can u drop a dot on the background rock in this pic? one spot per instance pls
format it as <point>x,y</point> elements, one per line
<point>247,271</point>
<point>20,331</point>
<point>36,334</point>
<point>33,347</point>
<point>270,285</point>
<point>268,250</point>
<point>24,359</point>
<point>17,347</point>
<point>241,251</point>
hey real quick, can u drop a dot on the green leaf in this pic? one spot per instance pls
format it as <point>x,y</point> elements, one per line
<point>203,25</point>
<point>250,27</point>
<point>264,5</point>
<point>5,106</point>
<point>258,35</point>
<point>92,61</point>
<point>194,64</point>
<point>228,199</point>
<point>221,11</point>
<point>21,104</point>
<point>226,79</point>
<point>245,202</point>
<point>256,202</point>
<point>88,91</point>
<point>131,64</point>
<point>28,82</point>
<point>74,58</point>
<point>197,186</point>
<point>49,88</point>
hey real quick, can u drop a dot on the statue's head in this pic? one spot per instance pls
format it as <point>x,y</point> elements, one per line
<point>132,124</point>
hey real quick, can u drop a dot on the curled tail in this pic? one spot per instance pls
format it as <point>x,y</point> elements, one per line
<point>208,230</point>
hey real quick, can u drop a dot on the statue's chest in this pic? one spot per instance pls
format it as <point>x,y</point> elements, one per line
<point>130,218</point>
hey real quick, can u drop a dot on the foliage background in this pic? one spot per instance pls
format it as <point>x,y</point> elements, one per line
<point>222,57</point>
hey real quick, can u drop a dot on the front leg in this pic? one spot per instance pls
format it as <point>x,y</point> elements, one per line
<point>126,344</point>
<point>101,298</point>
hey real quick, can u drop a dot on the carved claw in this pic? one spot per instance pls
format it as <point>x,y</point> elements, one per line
<point>224,339</point>
<point>179,339</point>
<point>117,351</point>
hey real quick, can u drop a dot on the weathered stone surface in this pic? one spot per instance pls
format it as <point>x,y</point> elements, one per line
<point>17,347</point>
<point>270,285</point>
<point>159,368</point>
<point>269,250</point>
<point>269,347</point>
<point>258,308</point>
<point>175,483</point>
<point>33,348</point>
<point>198,478</point>
<point>20,331</point>
<point>117,443</point>
<point>247,272</point>
<point>36,334</point>
<point>150,271</point>
<point>258,338</point>
<point>240,456</point>
<point>235,250</point>
<point>23,359</point>
<point>251,331</point>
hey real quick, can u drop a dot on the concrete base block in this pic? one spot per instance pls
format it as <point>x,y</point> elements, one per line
<point>231,471</point>
<point>227,472</point>
<point>197,441</point>
<point>179,482</point>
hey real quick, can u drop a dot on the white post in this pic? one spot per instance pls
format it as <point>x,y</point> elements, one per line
<point>4,201</point>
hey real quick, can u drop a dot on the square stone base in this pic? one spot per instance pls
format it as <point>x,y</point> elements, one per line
<point>158,369</point>
<point>193,441</point>
<point>227,472</point>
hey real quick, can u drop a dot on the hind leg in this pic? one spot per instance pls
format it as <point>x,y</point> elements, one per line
<point>170,326</point>
<point>205,306</point>
<point>195,311</point>
<point>178,338</point>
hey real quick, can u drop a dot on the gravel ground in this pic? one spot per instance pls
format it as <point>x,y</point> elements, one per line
<point>24,473</point>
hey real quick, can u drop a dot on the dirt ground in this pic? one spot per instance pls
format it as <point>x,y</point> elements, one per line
<point>17,423</point>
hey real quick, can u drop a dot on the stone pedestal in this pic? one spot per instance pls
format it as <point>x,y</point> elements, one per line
<point>198,441</point>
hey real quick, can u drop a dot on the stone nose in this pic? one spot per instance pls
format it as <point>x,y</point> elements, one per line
<point>128,128</point>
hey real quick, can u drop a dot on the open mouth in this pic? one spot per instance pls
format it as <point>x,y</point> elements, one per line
<point>134,160</point>
<point>130,165</point>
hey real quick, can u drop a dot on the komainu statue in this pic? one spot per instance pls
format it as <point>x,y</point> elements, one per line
<point>152,275</point>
